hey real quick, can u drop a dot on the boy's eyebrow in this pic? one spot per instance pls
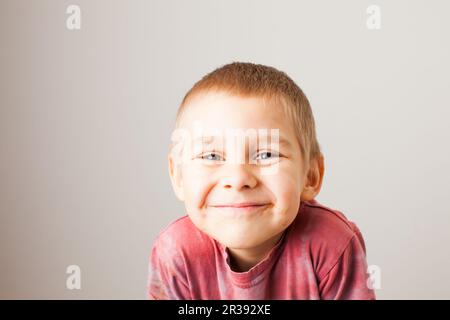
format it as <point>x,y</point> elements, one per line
<point>205,139</point>
<point>210,139</point>
<point>281,140</point>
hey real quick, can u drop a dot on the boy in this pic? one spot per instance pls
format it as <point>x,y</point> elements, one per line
<point>253,229</point>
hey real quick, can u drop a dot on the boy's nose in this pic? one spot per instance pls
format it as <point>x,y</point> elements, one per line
<point>238,176</point>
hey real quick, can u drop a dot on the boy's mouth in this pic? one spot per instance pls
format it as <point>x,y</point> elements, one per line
<point>241,207</point>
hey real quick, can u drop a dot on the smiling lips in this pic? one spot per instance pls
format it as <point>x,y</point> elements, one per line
<point>242,207</point>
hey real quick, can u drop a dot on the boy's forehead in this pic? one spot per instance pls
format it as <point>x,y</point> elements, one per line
<point>221,110</point>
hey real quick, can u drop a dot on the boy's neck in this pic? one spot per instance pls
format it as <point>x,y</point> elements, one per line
<point>242,260</point>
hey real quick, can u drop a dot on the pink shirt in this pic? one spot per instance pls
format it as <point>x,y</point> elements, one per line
<point>320,256</point>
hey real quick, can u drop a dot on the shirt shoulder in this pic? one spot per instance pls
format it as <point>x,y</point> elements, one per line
<point>181,239</point>
<point>326,233</point>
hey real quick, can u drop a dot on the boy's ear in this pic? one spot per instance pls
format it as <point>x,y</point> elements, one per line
<point>176,178</point>
<point>314,179</point>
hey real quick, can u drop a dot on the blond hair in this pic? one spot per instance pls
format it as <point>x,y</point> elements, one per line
<point>256,80</point>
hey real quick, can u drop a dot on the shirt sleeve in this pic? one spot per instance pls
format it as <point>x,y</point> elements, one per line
<point>166,279</point>
<point>347,279</point>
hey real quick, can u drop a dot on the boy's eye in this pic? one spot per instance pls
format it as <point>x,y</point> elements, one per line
<point>267,155</point>
<point>211,156</point>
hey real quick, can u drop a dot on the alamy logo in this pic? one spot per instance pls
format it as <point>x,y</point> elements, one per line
<point>374,19</point>
<point>374,280</point>
<point>211,145</point>
<point>74,279</point>
<point>73,21</point>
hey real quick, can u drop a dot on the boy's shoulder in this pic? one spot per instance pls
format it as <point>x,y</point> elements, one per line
<point>181,236</point>
<point>326,232</point>
<point>324,221</point>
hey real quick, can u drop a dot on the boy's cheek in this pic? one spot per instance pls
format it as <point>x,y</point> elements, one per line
<point>195,190</point>
<point>194,178</point>
<point>284,185</point>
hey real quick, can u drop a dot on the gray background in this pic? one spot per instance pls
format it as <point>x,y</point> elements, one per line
<point>86,117</point>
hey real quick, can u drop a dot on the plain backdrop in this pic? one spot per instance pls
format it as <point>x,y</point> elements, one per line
<point>86,117</point>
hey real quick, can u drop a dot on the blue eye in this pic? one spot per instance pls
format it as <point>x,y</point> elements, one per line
<point>267,155</point>
<point>212,156</point>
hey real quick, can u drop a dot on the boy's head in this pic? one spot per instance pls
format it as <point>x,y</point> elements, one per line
<point>237,202</point>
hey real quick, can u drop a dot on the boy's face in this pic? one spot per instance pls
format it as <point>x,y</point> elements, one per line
<point>215,189</point>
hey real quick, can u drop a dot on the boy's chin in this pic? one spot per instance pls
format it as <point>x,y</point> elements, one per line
<point>238,234</point>
<point>239,242</point>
